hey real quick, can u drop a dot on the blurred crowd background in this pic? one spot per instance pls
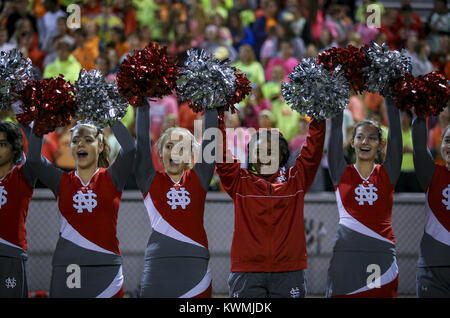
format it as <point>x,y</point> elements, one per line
<point>265,39</point>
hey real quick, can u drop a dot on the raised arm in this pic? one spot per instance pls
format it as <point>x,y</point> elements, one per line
<point>394,151</point>
<point>144,169</point>
<point>30,174</point>
<point>205,168</point>
<point>46,171</point>
<point>335,150</point>
<point>423,160</point>
<point>123,165</point>
<point>228,167</point>
<point>308,161</point>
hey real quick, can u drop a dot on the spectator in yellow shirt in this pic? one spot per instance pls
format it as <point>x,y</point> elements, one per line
<point>65,64</point>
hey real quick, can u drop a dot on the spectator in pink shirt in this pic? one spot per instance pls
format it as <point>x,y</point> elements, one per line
<point>159,109</point>
<point>254,105</point>
<point>368,32</point>
<point>317,21</point>
<point>296,144</point>
<point>285,59</point>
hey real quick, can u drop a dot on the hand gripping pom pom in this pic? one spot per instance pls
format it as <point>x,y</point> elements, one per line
<point>316,92</point>
<point>426,94</point>
<point>15,71</point>
<point>385,68</point>
<point>98,101</point>
<point>147,73</point>
<point>50,103</point>
<point>352,61</point>
<point>205,81</point>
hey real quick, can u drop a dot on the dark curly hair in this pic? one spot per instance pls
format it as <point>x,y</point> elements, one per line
<point>282,143</point>
<point>14,138</point>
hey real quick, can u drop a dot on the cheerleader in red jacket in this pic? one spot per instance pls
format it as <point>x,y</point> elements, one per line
<point>268,252</point>
<point>364,262</point>
<point>16,189</point>
<point>433,266</point>
<point>177,255</point>
<point>87,261</point>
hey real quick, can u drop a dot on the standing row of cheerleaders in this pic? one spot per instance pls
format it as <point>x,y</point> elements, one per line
<point>268,252</point>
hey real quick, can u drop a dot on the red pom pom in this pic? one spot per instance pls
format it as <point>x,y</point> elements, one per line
<point>426,94</point>
<point>147,73</point>
<point>50,103</point>
<point>243,88</point>
<point>352,61</point>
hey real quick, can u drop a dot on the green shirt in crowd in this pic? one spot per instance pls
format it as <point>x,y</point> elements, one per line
<point>407,162</point>
<point>69,68</point>
<point>145,15</point>
<point>254,71</point>
<point>287,123</point>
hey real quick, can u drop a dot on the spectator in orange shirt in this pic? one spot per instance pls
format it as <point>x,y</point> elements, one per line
<point>84,53</point>
<point>92,39</point>
<point>375,103</point>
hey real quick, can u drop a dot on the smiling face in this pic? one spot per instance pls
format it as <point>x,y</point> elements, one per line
<point>85,147</point>
<point>445,147</point>
<point>367,142</point>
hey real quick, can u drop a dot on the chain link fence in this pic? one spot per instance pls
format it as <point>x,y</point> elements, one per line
<point>321,221</point>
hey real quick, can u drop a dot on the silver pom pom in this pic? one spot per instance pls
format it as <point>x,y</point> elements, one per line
<point>98,101</point>
<point>385,67</point>
<point>15,71</point>
<point>205,81</point>
<point>316,92</point>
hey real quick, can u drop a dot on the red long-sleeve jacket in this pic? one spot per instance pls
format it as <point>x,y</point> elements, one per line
<point>269,233</point>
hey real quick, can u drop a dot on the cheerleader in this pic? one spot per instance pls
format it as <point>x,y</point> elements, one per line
<point>433,266</point>
<point>87,261</point>
<point>177,256</point>
<point>268,252</point>
<point>16,189</point>
<point>364,256</point>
